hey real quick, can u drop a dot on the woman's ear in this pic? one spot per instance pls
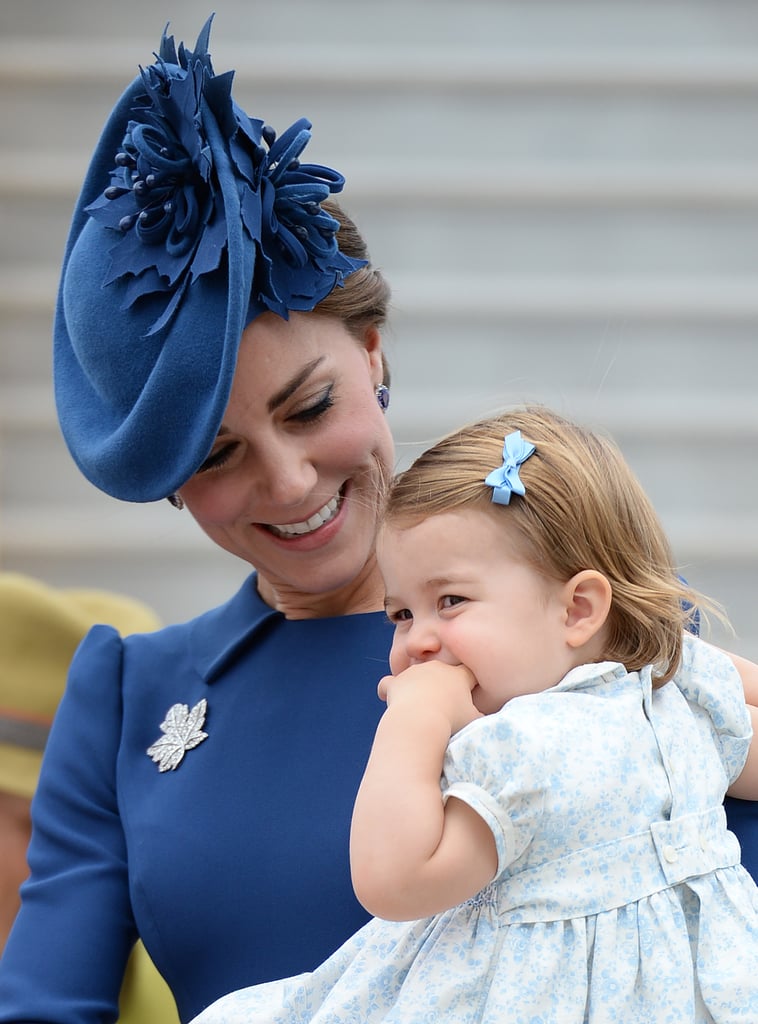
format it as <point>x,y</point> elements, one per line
<point>372,342</point>
<point>588,597</point>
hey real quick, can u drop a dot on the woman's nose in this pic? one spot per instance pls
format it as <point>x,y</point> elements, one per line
<point>284,476</point>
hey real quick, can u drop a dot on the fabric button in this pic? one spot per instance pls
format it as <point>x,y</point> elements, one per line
<point>670,854</point>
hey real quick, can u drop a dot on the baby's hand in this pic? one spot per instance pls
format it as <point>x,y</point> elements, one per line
<point>433,685</point>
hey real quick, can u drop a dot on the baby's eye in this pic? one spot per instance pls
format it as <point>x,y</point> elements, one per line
<point>401,615</point>
<point>450,600</point>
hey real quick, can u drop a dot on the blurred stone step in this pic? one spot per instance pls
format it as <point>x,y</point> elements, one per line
<point>512,239</point>
<point>564,197</point>
<point>25,175</point>
<point>617,25</point>
<point>434,122</point>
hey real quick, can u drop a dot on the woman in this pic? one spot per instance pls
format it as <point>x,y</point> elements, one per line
<point>217,343</point>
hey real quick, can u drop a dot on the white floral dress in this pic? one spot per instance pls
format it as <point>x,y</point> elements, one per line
<point>619,895</point>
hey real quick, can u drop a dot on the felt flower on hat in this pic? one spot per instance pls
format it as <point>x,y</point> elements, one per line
<point>297,251</point>
<point>191,160</point>
<point>505,480</point>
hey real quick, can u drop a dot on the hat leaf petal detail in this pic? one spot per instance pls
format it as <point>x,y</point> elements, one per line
<point>170,205</point>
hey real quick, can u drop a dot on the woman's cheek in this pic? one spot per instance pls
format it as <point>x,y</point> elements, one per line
<point>217,502</point>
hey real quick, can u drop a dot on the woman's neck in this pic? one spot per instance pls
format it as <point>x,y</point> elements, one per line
<point>365,593</point>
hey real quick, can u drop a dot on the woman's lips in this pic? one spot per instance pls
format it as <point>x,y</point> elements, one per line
<point>314,522</point>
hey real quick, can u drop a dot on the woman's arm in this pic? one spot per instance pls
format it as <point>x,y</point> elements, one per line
<point>745,786</point>
<point>67,950</point>
<point>748,671</point>
<point>411,854</point>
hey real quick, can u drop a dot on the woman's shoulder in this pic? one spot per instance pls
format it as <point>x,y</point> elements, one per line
<point>207,632</point>
<point>142,664</point>
<point>217,642</point>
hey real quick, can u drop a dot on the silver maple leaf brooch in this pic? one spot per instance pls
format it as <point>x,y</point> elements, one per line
<point>183,730</point>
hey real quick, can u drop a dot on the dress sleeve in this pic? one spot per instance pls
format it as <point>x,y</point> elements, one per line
<point>709,680</point>
<point>495,766</point>
<point>65,958</point>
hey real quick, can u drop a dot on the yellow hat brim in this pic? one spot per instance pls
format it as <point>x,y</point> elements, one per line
<point>40,628</point>
<point>19,770</point>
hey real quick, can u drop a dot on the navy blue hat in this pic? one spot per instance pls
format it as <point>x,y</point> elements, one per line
<point>193,220</point>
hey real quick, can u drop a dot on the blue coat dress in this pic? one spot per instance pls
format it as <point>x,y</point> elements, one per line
<point>233,865</point>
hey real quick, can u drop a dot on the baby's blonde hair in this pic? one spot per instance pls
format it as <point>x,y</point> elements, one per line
<point>583,509</point>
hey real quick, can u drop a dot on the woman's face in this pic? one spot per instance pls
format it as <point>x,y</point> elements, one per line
<point>291,484</point>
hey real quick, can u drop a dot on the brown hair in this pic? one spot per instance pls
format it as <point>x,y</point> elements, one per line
<point>583,509</point>
<point>363,300</point>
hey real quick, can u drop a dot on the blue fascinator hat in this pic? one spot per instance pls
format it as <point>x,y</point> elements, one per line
<point>192,221</point>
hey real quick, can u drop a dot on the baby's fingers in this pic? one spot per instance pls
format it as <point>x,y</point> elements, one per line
<point>383,686</point>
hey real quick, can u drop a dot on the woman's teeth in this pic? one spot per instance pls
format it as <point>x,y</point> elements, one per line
<point>309,525</point>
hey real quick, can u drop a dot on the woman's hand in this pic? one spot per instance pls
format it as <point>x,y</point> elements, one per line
<point>436,687</point>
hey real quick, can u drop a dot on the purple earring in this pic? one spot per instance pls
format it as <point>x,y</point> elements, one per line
<point>382,393</point>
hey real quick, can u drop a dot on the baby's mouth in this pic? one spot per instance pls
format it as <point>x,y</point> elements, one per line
<point>317,520</point>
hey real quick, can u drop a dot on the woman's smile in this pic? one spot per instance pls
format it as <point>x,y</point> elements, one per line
<point>312,523</point>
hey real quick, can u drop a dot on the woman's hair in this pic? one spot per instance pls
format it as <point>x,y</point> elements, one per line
<point>363,299</point>
<point>583,509</point>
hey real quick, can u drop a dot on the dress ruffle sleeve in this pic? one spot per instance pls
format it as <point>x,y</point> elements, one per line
<point>491,765</point>
<point>711,684</point>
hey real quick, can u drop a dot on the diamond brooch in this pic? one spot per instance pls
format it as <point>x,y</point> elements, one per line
<point>183,730</point>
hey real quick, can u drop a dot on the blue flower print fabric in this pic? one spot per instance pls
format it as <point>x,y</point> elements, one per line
<point>619,895</point>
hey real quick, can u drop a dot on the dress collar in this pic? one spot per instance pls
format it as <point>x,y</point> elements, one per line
<point>219,636</point>
<point>223,634</point>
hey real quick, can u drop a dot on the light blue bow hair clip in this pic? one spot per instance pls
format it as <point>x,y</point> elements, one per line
<point>505,480</point>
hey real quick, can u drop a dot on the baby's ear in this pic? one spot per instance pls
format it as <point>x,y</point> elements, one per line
<point>588,602</point>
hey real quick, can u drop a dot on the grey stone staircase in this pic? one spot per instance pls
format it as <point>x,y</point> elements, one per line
<point>563,194</point>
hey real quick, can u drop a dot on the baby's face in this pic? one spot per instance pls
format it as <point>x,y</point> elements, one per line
<point>457,592</point>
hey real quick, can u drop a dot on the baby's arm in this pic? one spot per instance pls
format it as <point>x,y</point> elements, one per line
<point>411,854</point>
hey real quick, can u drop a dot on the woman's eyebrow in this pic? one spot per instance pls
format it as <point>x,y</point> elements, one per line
<point>292,385</point>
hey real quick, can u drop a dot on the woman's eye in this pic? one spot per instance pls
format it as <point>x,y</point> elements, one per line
<point>312,412</point>
<point>217,459</point>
